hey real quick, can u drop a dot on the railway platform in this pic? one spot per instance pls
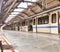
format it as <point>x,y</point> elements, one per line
<point>21,24</point>
<point>32,42</point>
<point>5,47</point>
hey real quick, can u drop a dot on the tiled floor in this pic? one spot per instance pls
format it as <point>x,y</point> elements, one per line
<point>6,46</point>
<point>33,42</point>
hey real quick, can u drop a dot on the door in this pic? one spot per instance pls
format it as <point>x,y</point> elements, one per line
<point>30,26</point>
<point>59,24</point>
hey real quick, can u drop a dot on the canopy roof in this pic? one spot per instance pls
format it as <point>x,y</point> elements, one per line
<point>16,10</point>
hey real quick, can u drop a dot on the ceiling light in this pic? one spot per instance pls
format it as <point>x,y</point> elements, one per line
<point>23,4</point>
<point>18,10</point>
<point>29,3</point>
<point>13,13</point>
<point>27,0</point>
<point>31,0</point>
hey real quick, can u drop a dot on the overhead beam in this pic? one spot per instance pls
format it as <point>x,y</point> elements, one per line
<point>7,3</point>
<point>21,8</point>
<point>6,9</point>
<point>40,5</point>
<point>30,2</point>
<point>25,13</point>
<point>25,1</point>
<point>59,0</point>
<point>10,8</point>
<point>21,16</point>
<point>33,11</point>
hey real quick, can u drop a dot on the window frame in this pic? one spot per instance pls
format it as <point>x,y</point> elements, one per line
<point>23,23</point>
<point>52,19</point>
<point>34,21</point>
<point>42,20</point>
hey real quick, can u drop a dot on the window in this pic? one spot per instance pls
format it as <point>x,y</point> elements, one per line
<point>46,19</point>
<point>26,22</point>
<point>39,20</point>
<point>43,20</point>
<point>30,22</point>
<point>34,22</point>
<point>18,23</point>
<point>53,18</point>
<point>23,23</point>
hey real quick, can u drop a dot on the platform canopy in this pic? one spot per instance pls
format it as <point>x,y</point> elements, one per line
<point>16,10</point>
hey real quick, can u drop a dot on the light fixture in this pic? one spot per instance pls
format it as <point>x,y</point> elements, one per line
<point>18,10</point>
<point>13,13</point>
<point>29,4</point>
<point>23,5</point>
<point>27,0</point>
<point>30,0</point>
<point>33,0</point>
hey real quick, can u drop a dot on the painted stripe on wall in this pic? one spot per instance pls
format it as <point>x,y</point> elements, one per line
<point>46,27</point>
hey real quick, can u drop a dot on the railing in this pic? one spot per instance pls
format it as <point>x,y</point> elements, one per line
<point>1,47</point>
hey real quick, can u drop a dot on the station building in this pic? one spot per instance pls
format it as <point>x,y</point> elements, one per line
<point>35,16</point>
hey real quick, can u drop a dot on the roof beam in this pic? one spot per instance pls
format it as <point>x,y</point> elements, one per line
<point>25,1</point>
<point>7,3</point>
<point>39,4</point>
<point>30,2</point>
<point>33,11</point>
<point>25,13</point>
<point>10,8</point>
<point>21,16</point>
<point>59,0</point>
<point>21,8</point>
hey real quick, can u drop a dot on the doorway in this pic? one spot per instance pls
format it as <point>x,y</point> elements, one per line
<point>30,28</point>
<point>58,24</point>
